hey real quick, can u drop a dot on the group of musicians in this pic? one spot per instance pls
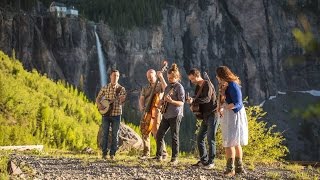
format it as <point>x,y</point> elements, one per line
<point>161,104</point>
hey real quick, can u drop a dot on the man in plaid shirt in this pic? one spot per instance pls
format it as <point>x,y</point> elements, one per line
<point>116,94</point>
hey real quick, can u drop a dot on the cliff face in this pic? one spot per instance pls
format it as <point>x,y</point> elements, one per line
<point>61,48</point>
<point>253,37</point>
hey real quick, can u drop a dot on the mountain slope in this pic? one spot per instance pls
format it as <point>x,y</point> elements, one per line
<point>36,110</point>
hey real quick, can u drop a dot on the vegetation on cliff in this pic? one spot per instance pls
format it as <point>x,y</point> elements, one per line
<point>36,110</point>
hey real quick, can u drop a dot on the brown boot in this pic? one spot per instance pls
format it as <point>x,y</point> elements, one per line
<point>239,166</point>
<point>230,168</point>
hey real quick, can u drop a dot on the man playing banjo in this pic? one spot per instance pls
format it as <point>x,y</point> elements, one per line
<point>109,102</point>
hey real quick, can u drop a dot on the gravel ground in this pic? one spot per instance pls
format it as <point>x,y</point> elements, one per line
<point>38,167</point>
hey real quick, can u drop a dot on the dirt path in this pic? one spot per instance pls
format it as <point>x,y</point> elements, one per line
<point>34,167</point>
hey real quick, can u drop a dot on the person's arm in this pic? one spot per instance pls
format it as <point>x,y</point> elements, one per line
<point>181,97</point>
<point>98,99</point>
<point>122,95</point>
<point>163,82</point>
<point>205,95</point>
<point>235,93</point>
<point>141,101</point>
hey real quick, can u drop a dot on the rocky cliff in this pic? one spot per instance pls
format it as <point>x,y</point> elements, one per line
<point>253,37</point>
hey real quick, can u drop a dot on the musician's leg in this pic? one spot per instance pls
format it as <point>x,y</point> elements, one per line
<point>105,129</point>
<point>175,128</point>
<point>115,134</point>
<point>154,133</point>
<point>211,137</point>
<point>201,143</point>
<point>146,144</point>
<point>163,128</point>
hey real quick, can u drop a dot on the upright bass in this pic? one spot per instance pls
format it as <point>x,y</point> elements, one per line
<point>150,112</point>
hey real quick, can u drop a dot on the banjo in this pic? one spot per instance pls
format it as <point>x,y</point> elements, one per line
<point>107,104</point>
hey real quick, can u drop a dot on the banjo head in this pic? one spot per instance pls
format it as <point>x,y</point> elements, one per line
<point>106,106</point>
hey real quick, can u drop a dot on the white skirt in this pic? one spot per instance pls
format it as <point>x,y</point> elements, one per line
<point>234,128</point>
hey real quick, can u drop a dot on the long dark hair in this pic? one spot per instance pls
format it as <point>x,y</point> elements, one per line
<point>224,73</point>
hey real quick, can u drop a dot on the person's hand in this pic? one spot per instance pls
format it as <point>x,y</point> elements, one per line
<point>168,99</point>
<point>99,106</point>
<point>160,74</point>
<point>189,100</point>
<point>141,109</point>
<point>122,98</point>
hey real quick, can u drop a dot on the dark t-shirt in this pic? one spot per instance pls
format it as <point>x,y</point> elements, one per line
<point>207,98</point>
<point>177,95</point>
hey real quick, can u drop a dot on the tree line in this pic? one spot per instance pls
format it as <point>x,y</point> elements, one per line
<point>116,13</point>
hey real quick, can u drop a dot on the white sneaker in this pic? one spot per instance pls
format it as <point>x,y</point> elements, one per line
<point>209,166</point>
<point>173,162</point>
<point>198,164</point>
<point>144,157</point>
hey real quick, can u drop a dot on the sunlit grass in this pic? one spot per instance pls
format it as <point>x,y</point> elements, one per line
<point>294,167</point>
<point>300,176</point>
<point>273,175</point>
<point>4,157</point>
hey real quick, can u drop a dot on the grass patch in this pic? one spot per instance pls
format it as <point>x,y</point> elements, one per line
<point>300,175</point>
<point>273,175</point>
<point>294,168</point>
<point>4,158</point>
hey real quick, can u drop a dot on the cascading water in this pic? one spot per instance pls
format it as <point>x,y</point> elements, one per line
<point>102,64</point>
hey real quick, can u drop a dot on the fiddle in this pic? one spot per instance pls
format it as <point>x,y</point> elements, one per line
<point>221,98</point>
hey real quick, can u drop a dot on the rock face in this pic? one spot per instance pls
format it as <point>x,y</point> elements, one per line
<point>253,37</point>
<point>302,135</point>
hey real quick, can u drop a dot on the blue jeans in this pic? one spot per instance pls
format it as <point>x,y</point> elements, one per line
<point>114,122</point>
<point>208,128</point>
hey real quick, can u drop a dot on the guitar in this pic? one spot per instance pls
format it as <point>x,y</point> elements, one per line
<point>194,107</point>
<point>164,106</point>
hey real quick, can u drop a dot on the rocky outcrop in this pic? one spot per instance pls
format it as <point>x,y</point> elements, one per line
<point>253,37</point>
<point>128,139</point>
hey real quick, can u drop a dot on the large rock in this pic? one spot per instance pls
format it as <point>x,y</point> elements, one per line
<point>128,139</point>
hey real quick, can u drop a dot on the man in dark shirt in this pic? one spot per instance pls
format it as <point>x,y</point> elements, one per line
<point>209,125</point>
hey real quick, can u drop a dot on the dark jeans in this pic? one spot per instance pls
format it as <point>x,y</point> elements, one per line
<point>208,128</point>
<point>114,122</point>
<point>174,125</point>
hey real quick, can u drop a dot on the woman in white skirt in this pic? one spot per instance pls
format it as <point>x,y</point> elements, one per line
<point>233,119</point>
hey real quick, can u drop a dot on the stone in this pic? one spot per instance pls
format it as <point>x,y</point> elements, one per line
<point>13,169</point>
<point>128,138</point>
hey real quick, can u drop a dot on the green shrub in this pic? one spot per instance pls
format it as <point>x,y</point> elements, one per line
<point>36,110</point>
<point>264,144</point>
<point>4,158</point>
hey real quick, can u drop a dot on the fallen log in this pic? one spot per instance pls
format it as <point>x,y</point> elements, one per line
<point>22,148</point>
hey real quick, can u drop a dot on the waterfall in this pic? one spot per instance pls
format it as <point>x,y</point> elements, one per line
<point>102,64</point>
